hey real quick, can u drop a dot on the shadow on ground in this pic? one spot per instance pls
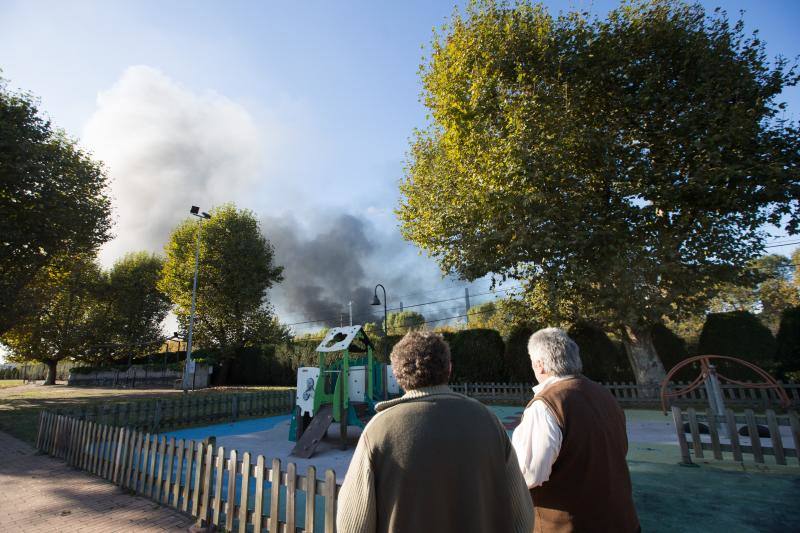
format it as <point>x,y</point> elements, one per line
<point>670,497</point>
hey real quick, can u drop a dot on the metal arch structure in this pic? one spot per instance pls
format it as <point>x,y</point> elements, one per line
<point>705,365</point>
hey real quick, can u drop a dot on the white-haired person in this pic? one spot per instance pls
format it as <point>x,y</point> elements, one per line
<point>571,444</point>
<point>432,460</point>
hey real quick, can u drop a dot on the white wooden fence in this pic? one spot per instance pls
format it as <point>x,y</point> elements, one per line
<point>232,491</point>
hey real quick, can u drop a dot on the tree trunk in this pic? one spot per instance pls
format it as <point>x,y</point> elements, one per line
<point>647,367</point>
<point>51,372</point>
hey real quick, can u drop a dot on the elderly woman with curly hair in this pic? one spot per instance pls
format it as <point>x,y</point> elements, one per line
<point>432,460</point>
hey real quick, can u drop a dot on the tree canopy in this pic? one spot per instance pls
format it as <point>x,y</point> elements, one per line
<point>402,322</point>
<point>620,168</point>
<point>132,307</point>
<point>236,270</point>
<point>64,325</point>
<point>53,202</point>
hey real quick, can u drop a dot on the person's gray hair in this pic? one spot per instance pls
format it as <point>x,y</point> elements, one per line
<point>560,355</point>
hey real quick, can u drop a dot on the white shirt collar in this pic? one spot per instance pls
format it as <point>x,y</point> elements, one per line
<point>552,379</point>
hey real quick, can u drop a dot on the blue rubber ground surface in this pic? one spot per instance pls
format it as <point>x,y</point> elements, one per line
<point>241,427</point>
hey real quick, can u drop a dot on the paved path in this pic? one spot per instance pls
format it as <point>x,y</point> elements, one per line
<point>42,494</point>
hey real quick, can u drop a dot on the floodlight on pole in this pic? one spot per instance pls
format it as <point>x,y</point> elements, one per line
<point>189,368</point>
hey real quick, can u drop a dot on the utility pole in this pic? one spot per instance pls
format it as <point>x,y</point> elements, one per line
<point>401,306</point>
<point>350,306</point>
<point>466,303</point>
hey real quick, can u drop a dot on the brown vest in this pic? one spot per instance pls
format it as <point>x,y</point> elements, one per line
<point>589,487</point>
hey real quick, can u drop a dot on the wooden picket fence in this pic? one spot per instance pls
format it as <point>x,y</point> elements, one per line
<point>633,394</point>
<point>156,415</point>
<point>233,492</point>
<point>732,422</point>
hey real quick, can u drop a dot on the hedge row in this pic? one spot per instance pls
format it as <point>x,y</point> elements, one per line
<point>481,355</point>
<point>477,355</point>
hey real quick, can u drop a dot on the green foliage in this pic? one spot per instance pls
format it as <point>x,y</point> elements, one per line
<point>53,202</point>
<point>502,315</point>
<point>738,334</point>
<point>373,330</point>
<point>517,360</point>
<point>765,286</point>
<point>622,168</point>
<point>383,347</point>
<point>788,344</point>
<point>262,365</point>
<point>132,308</point>
<point>477,355</point>
<point>672,349</point>
<point>404,321</point>
<point>64,327</point>
<point>236,269</point>
<point>602,359</point>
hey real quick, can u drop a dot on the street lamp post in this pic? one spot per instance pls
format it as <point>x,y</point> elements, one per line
<point>189,369</point>
<point>376,301</point>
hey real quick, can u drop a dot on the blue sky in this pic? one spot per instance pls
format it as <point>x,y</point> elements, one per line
<point>311,106</point>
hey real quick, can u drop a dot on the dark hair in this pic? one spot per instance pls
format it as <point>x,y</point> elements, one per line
<point>421,359</point>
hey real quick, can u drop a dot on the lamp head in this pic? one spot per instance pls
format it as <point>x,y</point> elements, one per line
<point>194,210</point>
<point>376,300</point>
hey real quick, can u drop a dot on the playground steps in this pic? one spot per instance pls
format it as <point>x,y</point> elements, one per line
<point>360,413</point>
<point>307,443</point>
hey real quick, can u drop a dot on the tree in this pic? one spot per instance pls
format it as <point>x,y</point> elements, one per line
<point>236,270</point>
<point>765,287</point>
<point>53,202</point>
<point>503,316</point>
<point>64,326</point>
<point>133,307</point>
<point>620,168</point>
<point>404,321</point>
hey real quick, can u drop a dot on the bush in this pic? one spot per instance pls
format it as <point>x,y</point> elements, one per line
<point>738,334</point>
<point>9,372</point>
<point>672,349</point>
<point>516,359</point>
<point>477,355</point>
<point>603,361</point>
<point>261,366</point>
<point>384,343</point>
<point>787,355</point>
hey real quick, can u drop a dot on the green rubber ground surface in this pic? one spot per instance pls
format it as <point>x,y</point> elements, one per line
<point>713,496</point>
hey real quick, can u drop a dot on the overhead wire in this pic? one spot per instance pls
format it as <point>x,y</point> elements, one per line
<point>404,307</point>
<point>774,244</point>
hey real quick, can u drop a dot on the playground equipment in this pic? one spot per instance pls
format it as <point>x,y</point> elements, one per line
<point>341,389</point>
<point>709,377</point>
<point>722,423</point>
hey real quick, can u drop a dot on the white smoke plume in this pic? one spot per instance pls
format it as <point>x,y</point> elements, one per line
<point>165,148</point>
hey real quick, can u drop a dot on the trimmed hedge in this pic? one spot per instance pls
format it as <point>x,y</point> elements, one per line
<point>738,334</point>
<point>787,354</point>
<point>261,366</point>
<point>672,349</point>
<point>603,360</point>
<point>477,355</point>
<point>517,360</point>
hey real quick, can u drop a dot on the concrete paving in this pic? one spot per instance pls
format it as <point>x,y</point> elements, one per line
<point>42,494</point>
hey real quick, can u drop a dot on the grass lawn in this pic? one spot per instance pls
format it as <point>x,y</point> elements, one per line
<point>8,383</point>
<point>20,404</point>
